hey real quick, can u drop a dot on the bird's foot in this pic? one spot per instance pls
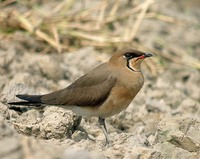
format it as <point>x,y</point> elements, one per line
<point>88,136</point>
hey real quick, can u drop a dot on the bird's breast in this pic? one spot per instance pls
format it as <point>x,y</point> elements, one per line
<point>122,94</point>
<point>118,100</point>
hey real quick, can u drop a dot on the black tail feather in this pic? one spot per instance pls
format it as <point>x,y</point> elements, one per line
<point>25,103</point>
<point>30,100</point>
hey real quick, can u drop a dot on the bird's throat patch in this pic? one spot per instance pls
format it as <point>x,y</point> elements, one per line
<point>131,67</point>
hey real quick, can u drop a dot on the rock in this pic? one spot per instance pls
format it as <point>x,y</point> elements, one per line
<point>57,123</point>
<point>15,146</point>
<point>182,132</point>
<point>189,106</point>
<point>3,82</point>
<point>50,67</point>
<point>8,146</point>
<point>174,102</point>
<point>79,135</point>
<point>161,83</point>
<point>7,57</point>
<point>154,105</point>
<point>75,153</point>
<point>79,62</point>
<point>14,87</point>
<point>6,113</point>
<point>27,123</point>
<point>142,152</point>
<point>191,89</point>
<point>9,141</point>
<point>169,151</point>
<point>53,123</point>
<point>5,129</point>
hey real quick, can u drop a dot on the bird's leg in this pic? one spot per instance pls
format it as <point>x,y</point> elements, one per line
<point>103,126</point>
<point>80,128</point>
<point>78,122</point>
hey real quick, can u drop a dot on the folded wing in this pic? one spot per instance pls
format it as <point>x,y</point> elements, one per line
<point>91,89</point>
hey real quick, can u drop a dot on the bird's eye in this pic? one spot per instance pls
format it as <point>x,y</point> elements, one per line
<point>128,55</point>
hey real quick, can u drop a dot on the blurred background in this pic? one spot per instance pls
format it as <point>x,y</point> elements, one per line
<point>47,44</point>
<point>169,29</point>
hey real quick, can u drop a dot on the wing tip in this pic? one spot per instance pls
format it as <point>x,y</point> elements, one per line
<point>21,96</point>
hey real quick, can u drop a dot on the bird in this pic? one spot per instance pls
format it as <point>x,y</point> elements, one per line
<point>104,91</point>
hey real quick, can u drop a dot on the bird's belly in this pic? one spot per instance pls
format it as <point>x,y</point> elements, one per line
<point>110,108</point>
<point>87,111</point>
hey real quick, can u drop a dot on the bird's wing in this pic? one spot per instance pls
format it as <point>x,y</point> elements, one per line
<point>91,89</point>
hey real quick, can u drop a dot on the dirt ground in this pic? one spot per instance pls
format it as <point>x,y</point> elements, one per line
<point>163,121</point>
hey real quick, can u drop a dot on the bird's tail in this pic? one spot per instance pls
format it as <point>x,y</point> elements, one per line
<point>30,100</point>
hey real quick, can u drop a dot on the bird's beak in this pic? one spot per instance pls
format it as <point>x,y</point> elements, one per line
<point>147,55</point>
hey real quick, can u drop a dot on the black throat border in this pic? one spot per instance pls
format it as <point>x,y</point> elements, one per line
<point>128,65</point>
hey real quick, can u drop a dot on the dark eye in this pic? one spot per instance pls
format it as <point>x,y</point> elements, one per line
<point>129,55</point>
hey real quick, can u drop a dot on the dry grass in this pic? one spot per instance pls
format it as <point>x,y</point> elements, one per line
<point>65,26</point>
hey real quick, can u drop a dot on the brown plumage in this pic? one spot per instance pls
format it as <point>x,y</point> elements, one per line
<point>104,91</point>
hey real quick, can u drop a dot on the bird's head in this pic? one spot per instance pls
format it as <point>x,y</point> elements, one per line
<point>129,58</point>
